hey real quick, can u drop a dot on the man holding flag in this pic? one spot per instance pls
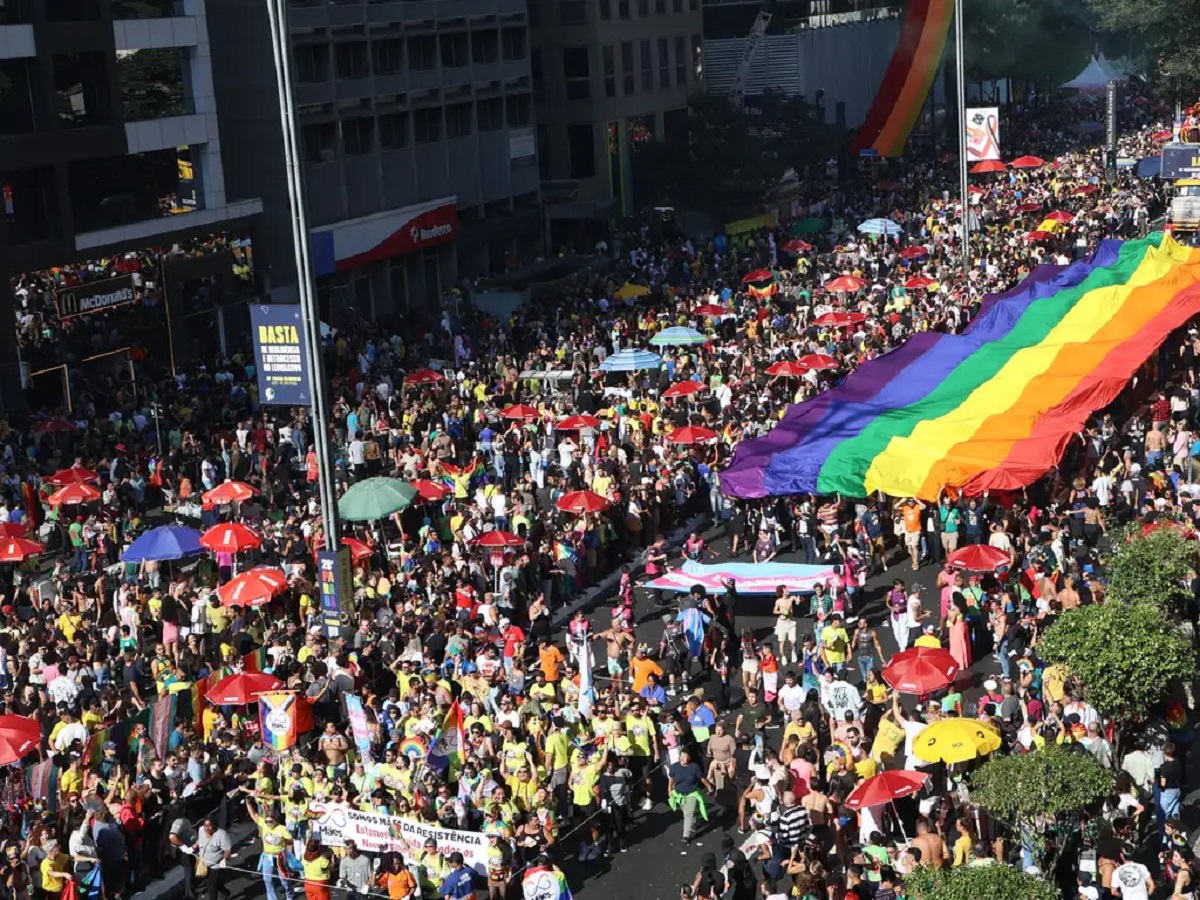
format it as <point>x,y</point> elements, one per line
<point>445,753</point>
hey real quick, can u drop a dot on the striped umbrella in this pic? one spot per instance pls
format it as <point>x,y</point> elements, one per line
<point>631,361</point>
<point>678,336</point>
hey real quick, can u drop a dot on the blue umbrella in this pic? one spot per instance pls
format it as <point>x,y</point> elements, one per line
<point>1149,167</point>
<point>164,542</point>
<point>880,226</point>
<point>631,361</point>
<point>678,336</point>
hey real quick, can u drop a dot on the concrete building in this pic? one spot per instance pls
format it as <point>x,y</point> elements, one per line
<point>416,121</point>
<point>112,177</point>
<point>608,75</point>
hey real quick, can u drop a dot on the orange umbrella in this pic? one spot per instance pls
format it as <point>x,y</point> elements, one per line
<point>424,376</point>
<point>74,495</point>
<point>917,282</point>
<point>709,309</point>
<point>818,361</point>
<point>797,246</point>
<point>691,434</point>
<point>15,550</point>
<point>914,252</point>
<point>1085,189</point>
<point>846,283</point>
<point>238,690</point>
<point>521,411</point>
<point>757,275</point>
<point>229,492</point>
<point>1035,236</point>
<point>1060,215</point>
<point>988,165</point>
<point>582,502</point>
<point>252,588</point>
<point>1027,162</point>
<point>430,490</point>
<point>73,475</point>
<point>788,368</point>
<point>576,423</point>
<point>683,389</point>
<point>230,537</point>
<point>13,530</point>
<point>839,319</point>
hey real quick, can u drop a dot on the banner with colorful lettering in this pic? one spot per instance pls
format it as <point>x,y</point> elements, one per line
<point>377,833</point>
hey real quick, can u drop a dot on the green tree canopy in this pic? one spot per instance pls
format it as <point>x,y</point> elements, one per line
<point>1023,39</point>
<point>1054,780</point>
<point>1125,655</point>
<point>1153,568</point>
<point>997,882</point>
<point>1167,36</point>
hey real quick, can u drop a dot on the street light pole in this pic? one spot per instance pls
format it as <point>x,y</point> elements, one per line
<point>962,141</point>
<point>277,10</point>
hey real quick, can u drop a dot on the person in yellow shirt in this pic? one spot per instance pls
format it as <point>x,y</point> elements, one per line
<point>275,841</point>
<point>55,870</point>
<point>928,638</point>
<point>317,866</point>
<point>835,643</point>
<point>71,780</point>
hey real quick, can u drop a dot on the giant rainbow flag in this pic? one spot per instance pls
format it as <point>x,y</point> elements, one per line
<point>908,78</point>
<point>994,407</point>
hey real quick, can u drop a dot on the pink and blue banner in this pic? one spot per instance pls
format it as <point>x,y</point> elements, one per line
<point>749,578</point>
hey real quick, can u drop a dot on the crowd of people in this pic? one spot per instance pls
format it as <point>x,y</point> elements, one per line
<point>563,755</point>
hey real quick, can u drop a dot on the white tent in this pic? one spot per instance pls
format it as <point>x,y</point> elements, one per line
<point>1095,76</point>
<point>1111,68</point>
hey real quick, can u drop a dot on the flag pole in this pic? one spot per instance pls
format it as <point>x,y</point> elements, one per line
<point>962,142</point>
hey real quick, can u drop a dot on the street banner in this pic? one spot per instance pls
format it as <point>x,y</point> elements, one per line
<point>359,728</point>
<point>983,133</point>
<point>749,578</point>
<point>280,355</point>
<point>335,579</point>
<point>96,296</point>
<point>376,833</point>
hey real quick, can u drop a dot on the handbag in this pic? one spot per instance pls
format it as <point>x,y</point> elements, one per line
<point>201,868</point>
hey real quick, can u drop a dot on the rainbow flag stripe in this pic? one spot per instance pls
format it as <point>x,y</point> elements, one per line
<point>994,407</point>
<point>908,78</point>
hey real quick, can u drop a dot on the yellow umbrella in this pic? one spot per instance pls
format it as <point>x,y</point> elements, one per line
<point>629,290</point>
<point>956,740</point>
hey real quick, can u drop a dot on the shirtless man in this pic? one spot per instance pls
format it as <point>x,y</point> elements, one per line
<point>933,848</point>
<point>1068,597</point>
<point>334,746</point>
<point>617,642</point>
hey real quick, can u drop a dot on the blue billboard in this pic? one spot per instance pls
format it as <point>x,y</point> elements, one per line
<point>1181,161</point>
<point>280,355</point>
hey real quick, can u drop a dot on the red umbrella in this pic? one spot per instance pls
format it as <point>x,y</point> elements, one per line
<point>576,423</point>
<point>795,245</point>
<point>1029,207</point>
<point>976,189</point>
<point>424,376</point>
<point>920,670</point>
<point>887,185</point>
<point>229,492</point>
<point>757,275</point>
<point>692,434</point>
<point>917,282</point>
<point>818,361</point>
<point>1151,527</point>
<point>683,389</point>
<point>1162,135</point>
<point>230,537</point>
<point>358,550</point>
<point>1060,215</point>
<point>978,558</point>
<point>19,736</point>
<point>73,475</point>
<point>57,425</point>
<point>1034,236</point>
<point>988,165</point>
<point>15,550</point>
<point>500,538</point>
<point>1085,189</point>
<point>521,411</point>
<point>788,368</point>
<point>430,491</point>
<point>846,283</point>
<point>709,309</point>
<point>582,502</point>
<point>840,319</point>
<point>1027,162</point>
<point>914,253</point>
<point>13,530</point>
<point>252,588</point>
<point>885,787</point>
<point>238,690</point>
<point>73,495</point>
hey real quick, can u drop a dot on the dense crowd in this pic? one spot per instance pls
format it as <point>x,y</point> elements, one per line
<point>561,753</point>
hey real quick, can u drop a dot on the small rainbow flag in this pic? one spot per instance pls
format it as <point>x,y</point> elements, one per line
<point>277,714</point>
<point>446,753</point>
<point>546,882</point>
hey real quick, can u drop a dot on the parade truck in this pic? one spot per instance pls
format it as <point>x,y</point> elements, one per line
<point>1181,166</point>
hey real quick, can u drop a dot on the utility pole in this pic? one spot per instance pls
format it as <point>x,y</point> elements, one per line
<point>962,143</point>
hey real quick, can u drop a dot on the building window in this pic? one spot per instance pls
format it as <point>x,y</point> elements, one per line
<point>145,9</point>
<point>577,73</point>
<point>31,205</point>
<point>81,86</point>
<point>350,59</point>
<point>543,151</point>
<point>311,63</point>
<point>609,59</point>
<point>572,12</point>
<point>693,5</point>
<point>152,84</point>
<point>320,142</point>
<point>454,51</point>
<point>664,63</point>
<point>513,40</point>
<point>677,6</point>
<point>393,131</point>
<point>117,190</point>
<point>422,53</point>
<point>605,10</point>
<point>623,9</point>
<point>628,79</point>
<point>581,151</point>
<point>680,61</point>
<point>358,137</point>
<point>18,114</point>
<point>698,56</point>
<point>485,47</point>
<point>647,67</point>
<point>644,8</point>
<point>427,125</point>
<point>388,56</point>
<point>458,120</point>
<point>660,6</point>
<point>520,110</point>
<point>490,114</point>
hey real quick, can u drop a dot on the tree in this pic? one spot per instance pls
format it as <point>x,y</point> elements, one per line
<point>997,882</point>
<point>1169,35</point>
<point>1125,656</point>
<point>1153,568</point>
<point>1021,39</point>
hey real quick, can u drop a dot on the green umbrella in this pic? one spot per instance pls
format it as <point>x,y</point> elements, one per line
<point>811,225</point>
<point>375,498</point>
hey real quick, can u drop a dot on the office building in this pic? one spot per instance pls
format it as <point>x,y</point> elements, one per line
<point>416,130</point>
<point>116,214</point>
<point>609,75</point>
